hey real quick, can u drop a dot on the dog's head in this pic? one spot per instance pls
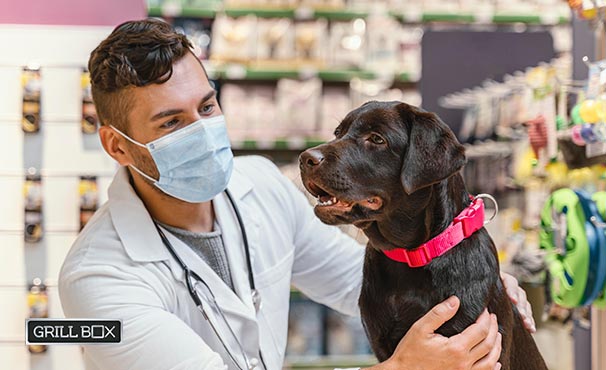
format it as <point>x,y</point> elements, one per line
<point>383,152</point>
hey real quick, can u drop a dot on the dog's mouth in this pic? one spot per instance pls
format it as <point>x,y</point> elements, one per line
<point>329,201</point>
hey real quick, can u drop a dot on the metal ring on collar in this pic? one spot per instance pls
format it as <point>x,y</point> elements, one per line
<point>496,206</point>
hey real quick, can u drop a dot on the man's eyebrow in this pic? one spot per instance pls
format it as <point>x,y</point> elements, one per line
<point>171,112</point>
<point>166,113</point>
<point>211,94</point>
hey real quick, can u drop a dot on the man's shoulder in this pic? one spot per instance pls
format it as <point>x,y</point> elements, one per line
<point>255,165</point>
<point>260,172</point>
<point>98,244</point>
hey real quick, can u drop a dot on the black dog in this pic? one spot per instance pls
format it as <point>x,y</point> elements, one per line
<point>393,171</point>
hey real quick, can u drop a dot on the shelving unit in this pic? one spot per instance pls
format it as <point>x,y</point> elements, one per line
<point>280,144</point>
<point>343,15</point>
<point>239,72</point>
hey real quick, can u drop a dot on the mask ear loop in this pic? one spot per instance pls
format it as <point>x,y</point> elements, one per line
<point>153,181</point>
<point>128,137</point>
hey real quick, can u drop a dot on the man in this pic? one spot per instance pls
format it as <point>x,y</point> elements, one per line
<point>168,240</point>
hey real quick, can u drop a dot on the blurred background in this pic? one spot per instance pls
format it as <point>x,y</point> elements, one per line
<point>521,83</point>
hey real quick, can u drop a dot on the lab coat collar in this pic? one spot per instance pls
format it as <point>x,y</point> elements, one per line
<point>134,224</point>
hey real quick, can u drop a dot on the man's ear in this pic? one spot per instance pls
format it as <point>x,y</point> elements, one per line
<point>112,143</point>
<point>433,153</point>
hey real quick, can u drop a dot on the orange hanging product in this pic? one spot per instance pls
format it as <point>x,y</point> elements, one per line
<point>537,133</point>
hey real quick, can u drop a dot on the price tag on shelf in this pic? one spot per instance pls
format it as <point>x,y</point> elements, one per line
<point>295,143</point>
<point>265,144</point>
<point>483,15</point>
<point>595,149</point>
<point>549,17</point>
<point>171,9</point>
<point>235,71</point>
<point>304,13</point>
<point>307,73</point>
<point>413,14</point>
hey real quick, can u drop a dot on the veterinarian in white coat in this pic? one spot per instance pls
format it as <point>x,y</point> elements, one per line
<point>120,268</point>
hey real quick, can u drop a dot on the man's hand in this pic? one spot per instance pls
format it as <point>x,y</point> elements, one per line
<point>518,297</point>
<point>476,348</point>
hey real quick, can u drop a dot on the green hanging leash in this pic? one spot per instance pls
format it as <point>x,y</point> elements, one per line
<point>567,247</point>
<point>600,200</point>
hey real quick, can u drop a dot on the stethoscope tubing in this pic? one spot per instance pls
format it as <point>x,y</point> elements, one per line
<point>189,274</point>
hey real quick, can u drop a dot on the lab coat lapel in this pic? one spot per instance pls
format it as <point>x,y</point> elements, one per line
<point>240,188</point>
<point>234,245</point>
<point>227,300</point>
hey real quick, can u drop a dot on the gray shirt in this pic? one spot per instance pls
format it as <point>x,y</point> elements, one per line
<point>209,246</point>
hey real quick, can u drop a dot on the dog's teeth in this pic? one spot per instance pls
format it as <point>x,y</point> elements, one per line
<point>334,200</point>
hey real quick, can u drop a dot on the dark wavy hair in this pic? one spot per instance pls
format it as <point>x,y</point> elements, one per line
<point>135,54</point>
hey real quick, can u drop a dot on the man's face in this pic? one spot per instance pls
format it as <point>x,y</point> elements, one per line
<point>159,109</point>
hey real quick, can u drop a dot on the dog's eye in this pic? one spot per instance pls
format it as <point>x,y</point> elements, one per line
<point>337,132</point>
<point>376,139</point>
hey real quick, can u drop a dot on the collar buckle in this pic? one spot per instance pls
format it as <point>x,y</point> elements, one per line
<point>472,218</point>
<point>420,257</point>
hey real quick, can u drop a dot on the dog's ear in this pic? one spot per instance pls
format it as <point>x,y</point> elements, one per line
<point>433,153</point>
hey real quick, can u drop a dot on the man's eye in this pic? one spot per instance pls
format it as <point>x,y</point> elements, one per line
<point>207,109</point>
<point>376,139</point>
<point>171,123</point>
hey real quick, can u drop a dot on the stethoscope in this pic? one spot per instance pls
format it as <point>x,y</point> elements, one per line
<point>189,275</point>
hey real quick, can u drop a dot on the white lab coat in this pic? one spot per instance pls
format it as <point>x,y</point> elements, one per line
<point>118,268</point>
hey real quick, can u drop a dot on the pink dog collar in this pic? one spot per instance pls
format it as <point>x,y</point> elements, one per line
<point>466,223</point>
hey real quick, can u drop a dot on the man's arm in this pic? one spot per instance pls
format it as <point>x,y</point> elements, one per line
<point>152,337</point>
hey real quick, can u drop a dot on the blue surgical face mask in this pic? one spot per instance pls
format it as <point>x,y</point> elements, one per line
<point>194,163</point>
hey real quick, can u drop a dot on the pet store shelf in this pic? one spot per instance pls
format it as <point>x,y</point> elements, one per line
<point>330,362</point>
<point>279,144</point>
<point>343,15</point>
<point>169,12</point>
<point>235,72</point>
<point>529,19</point>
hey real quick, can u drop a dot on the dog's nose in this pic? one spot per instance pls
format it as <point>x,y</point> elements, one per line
<point>311,158</point>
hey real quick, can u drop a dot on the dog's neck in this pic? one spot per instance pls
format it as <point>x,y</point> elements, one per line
<point>416,218</point>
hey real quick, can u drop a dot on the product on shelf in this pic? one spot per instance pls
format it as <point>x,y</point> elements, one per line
<point>382,45</point>
<point>275,41</point>
<point>263,117</point>
<point>408,52</point>
<point>347,44</point>
<point>37,303</point>
<point>32,192</point>
<point>89,196</point>
<point>90,121</point>
<point>235,105</point>
<point>311,42</point>
<point>298,107</point>
<point>336,103</point>
<point>31,84</point>
<point>234,39</point>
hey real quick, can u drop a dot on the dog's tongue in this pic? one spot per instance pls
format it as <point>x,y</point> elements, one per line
<point>325,198</point>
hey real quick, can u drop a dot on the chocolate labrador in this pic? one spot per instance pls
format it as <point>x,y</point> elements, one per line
<point>393,171</point>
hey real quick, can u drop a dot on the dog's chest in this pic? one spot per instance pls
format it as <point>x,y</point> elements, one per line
<point>396,296</point>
